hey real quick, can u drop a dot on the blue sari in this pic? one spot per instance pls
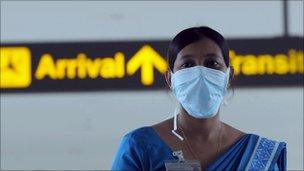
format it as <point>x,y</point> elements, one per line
<point>143,149</point>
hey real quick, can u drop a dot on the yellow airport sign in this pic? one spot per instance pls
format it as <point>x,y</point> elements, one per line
<point>80,67</point>
<point>147,59</point>
<point>83,66</point>
<point>268,64</point>
<point>15,71</point>
<point>133,65</point>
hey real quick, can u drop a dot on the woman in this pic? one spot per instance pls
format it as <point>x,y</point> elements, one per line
<point>195,138</point>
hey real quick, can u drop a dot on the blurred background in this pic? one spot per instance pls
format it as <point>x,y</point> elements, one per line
<point>81,130</point>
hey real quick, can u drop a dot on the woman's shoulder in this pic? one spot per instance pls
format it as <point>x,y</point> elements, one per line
<point>148,137</point>
<point>140,135</point>
<point>139,132</point>
<point>253,138</point>
<point>266,141</point>
<point>261,137</point>
<point>266,147</point>
<point>132,149</point>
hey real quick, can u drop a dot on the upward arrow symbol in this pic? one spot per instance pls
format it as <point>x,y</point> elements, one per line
<point>146,58</point>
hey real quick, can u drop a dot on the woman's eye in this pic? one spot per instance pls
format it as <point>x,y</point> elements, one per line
<point>187,65</point>
<point>212,64</point>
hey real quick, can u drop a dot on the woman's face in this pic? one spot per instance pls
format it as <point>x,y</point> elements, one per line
<point>204,53</point>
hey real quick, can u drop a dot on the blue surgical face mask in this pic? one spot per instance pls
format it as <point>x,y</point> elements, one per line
<point>200,90</point>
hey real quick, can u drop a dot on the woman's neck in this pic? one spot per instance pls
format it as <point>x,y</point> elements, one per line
<point>205,129</point>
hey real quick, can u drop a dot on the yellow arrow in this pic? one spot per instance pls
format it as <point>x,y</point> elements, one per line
<point>146,58</point>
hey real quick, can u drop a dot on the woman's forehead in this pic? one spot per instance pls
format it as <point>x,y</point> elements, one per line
<point>203,48</point>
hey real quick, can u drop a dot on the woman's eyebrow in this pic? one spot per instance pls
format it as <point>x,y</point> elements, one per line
<point>207,55</point>
<point>211,55</point>
<point>187,56</point>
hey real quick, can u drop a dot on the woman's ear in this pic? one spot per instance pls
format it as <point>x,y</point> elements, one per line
<point>231,75</point>
<point>168,78</point>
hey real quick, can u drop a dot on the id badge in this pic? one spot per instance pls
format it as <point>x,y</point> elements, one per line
<point>189,165</point>
<point>182,164</point>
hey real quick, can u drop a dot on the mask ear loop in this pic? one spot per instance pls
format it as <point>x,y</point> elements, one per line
<point>225,101</point>
<point>175,125</point>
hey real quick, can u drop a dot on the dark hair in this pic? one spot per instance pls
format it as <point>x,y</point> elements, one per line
<point>194,34</point>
